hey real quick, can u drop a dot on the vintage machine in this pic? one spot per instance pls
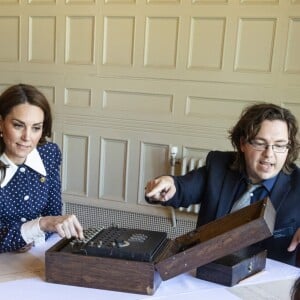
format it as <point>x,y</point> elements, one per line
<point>123,243</point>
<point>136,261</point>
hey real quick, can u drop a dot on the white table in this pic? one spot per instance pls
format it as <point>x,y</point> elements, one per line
<point>22,277</point>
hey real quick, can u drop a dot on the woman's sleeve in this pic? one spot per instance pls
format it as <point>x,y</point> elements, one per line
<point>54,205</point>
<point>11,238</point>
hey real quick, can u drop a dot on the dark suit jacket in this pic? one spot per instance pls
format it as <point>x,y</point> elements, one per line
<point>215,185</point>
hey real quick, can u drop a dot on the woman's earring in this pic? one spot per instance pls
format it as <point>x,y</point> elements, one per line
<point>1,134</point>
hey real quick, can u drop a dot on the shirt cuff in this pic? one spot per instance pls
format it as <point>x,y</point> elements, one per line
<point>32,233</point>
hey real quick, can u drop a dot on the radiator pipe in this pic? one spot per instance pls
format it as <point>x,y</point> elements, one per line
<point>174,151</point>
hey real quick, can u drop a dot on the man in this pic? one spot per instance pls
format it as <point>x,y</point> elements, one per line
<point>265,148</point>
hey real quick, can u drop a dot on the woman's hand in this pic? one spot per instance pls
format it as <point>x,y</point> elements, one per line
<point>160,189</point>
<point>66,226</point>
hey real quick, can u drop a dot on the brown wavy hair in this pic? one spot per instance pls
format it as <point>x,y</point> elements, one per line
<point>249,125</point>
<point>21,94</point>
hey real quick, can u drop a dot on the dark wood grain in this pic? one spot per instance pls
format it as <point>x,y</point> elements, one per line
<point>100,272</point>
<point>219,238</point>
<point>231,269</point>
<point>189,251</point>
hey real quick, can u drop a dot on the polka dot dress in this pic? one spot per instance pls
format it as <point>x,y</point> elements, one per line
<point>28,196</point>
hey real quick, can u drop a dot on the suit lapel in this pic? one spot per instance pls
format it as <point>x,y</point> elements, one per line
<point>229,189</point>
<point>231,183</point>
<point>280,190</point>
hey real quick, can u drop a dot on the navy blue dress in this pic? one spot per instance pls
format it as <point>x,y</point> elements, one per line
<point>28,195</point>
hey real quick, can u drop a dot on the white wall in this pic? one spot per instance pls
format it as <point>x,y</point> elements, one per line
<point>128,79</point>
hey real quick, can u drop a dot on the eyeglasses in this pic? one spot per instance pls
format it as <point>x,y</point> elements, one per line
<point>261,146</point>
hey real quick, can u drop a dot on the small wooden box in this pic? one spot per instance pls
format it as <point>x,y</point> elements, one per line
<point>231,269</point>
<point>189,251</point>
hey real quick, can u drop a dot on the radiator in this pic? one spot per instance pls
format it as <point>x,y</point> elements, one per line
<point>189,164</point>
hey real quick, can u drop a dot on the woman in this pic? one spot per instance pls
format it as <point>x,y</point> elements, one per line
<point>30,186</point>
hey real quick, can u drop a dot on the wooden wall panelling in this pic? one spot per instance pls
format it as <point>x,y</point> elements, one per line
<point>129,79</point>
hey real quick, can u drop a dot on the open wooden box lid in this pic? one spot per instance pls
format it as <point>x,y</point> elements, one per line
<point>216,239</point>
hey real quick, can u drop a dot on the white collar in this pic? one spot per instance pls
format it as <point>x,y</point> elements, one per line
<point>33,161</point>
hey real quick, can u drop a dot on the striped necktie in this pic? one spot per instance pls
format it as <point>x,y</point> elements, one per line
<point>245,198</point>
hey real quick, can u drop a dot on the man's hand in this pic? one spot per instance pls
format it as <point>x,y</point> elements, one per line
<point>295,241</point>
<point>160,189</point>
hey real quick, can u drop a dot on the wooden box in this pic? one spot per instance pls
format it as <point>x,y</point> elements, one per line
<point>100,272</point>
<point>231,269</point>
<point>219,238</point>
<point>189,251</point>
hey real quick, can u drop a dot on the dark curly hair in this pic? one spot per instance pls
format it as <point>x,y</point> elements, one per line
<point>295,291</point>
<point>249,125</point>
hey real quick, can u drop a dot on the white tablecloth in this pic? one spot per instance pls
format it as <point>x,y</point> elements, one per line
<point>22,277</point>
